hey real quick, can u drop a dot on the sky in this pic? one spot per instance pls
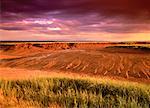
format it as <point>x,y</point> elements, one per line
<point>75,20</point>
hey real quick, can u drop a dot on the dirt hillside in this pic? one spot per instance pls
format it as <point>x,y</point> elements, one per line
<point>94,59</point>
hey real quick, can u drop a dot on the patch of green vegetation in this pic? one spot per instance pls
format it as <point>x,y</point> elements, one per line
<point>73,93</point>
<point>71,45</point>
<point>146,48</point>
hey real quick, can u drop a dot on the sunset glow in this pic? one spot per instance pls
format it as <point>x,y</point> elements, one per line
<point>82,20</point>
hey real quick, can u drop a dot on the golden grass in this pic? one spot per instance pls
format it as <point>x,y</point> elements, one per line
<point>68,92</point>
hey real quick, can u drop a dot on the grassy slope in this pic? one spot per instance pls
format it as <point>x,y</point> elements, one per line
<point>69,93</point>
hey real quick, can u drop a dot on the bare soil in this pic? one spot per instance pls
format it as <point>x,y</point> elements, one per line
<point>80,59</point>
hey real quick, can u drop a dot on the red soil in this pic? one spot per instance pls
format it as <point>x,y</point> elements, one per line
<point>79,58</point>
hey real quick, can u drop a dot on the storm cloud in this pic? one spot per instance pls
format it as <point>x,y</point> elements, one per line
<point>128,8</point>
<point>73,17</point>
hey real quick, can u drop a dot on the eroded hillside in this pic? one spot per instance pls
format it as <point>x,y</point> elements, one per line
<point>90,59</point>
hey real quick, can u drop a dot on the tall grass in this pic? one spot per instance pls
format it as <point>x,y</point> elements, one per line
<point>72,93</point>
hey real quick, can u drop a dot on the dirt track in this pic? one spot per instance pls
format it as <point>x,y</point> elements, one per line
<point>110,62</point>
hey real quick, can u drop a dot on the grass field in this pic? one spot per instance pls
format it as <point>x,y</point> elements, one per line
<point>73,93</point>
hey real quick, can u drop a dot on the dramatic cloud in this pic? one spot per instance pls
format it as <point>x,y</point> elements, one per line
<point>77,19</point>
<point>133,8</point>
<point>12,28</point>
